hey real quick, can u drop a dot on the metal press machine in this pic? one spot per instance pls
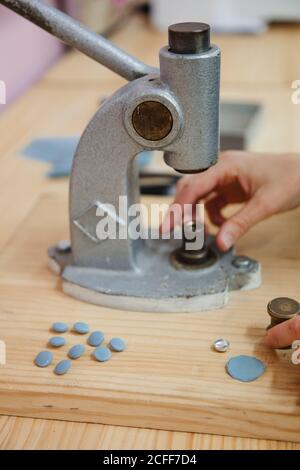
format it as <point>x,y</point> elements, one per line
<point>174,109</point>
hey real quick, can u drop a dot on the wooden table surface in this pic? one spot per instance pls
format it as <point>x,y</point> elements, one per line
<point>254,69</point>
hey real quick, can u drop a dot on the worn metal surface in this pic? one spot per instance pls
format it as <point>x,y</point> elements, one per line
<point>104,167</point>
<point>81,38</point>
<point>195,81</point>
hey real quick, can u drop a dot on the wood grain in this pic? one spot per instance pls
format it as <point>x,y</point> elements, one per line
<point>169,378</point>
<point>30,434</point>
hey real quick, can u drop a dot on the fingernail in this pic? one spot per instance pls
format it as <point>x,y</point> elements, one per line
<point>227,240</point>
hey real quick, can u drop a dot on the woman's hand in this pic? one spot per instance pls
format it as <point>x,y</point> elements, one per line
<point>266,183</point>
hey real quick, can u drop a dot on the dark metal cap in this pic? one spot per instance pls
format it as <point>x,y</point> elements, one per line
<point>189,38</point>
<point>197,258</point>
<point>283,308</point>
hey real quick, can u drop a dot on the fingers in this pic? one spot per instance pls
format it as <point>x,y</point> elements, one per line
<point>253,212</point>
<point>214,205</point>
<point>191,189</point>
<point>284,334</point>
<point>172,218</point>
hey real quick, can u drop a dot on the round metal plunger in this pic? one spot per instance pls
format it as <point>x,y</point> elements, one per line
<point>189,38</point>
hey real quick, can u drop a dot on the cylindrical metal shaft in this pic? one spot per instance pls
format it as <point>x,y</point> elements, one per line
<point>81,38</point>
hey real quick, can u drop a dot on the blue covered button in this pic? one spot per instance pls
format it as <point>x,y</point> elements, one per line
<point>60,327</point>
<point>62,367</point>
<point>102,354</point>
<point>245,368</point>
<point>57,341</point>
<point>43,359</point>
<point>76,351</point>
<point>81,328</point>
<point>117,344</point>
<point>96,338</point>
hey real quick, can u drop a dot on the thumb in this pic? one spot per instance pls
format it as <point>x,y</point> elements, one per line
<point>237,225</point>
<point>284,334</point>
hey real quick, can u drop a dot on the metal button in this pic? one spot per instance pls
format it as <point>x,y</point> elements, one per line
<point>221,345</point>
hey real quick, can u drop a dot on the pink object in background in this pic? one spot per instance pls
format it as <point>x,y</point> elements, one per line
<point>120,3</point>
<point>25,52</point>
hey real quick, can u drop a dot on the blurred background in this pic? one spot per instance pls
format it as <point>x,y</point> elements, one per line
<point>27,52</point>
<point>32,52</point>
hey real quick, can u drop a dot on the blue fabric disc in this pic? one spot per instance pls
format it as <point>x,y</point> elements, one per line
<point>245,368</point>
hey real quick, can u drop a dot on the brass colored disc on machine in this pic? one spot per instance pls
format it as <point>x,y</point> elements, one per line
<point>152,120</point>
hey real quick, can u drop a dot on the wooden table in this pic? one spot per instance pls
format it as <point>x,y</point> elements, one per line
<point>254,69</point>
